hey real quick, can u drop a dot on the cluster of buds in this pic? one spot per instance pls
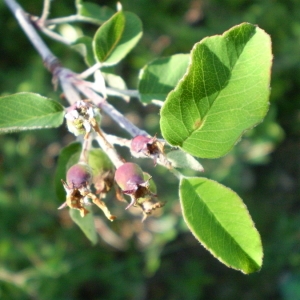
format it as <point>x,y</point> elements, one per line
<point>139,186</point>
<point>79,194</point>
<point>81,117</point>
<point>128,179</point>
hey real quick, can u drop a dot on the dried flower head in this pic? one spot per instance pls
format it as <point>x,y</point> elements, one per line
<point>79,116</point>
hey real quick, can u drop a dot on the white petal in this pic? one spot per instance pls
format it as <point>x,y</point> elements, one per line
<point>87,125</point>
<point>90,112</point>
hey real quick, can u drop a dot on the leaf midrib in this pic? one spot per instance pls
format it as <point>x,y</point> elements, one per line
<point>222,228</point>
<point>217,94</point>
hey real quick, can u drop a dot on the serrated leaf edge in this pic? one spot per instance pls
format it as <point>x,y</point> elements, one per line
<point>204,245</point>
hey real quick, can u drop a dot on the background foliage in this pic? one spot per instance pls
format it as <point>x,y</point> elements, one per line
<point>44,255</point>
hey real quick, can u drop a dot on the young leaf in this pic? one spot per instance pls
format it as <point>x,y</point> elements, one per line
<point>93,12</point>
<point>160,76</point>
<point>115,81</point>
<point>221,222</point>
<point>99,161</point>
<point>224,92</point>
<point>86,224</point>
<point>116,37</point>
<point>61,169</point>
<point>84,46</point>
<point>27,111</point>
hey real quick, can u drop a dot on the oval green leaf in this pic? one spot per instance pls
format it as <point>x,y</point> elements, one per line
<point>219,219</point>
<point>83,45</point>
<point>224,92</point>
<point>116,37</point>
<point>86,224</point>
<point>99,161</point>
<point>93,12</point>
<point>160,76</point>
<point>28,111</point>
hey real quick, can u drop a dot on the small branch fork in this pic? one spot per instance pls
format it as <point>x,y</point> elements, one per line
<point>74,87</point>
<point>74,18</point>
<point>46,11</point>
<point>71,83</point>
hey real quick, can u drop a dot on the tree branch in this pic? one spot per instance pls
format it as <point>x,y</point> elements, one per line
<point>46,10</point>
<point>70,82</point>
<point>30,31</point>
<point>73,18</point>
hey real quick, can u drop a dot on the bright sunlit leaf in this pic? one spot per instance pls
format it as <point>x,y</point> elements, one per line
<point>219,219</point>
<point>224,92</point>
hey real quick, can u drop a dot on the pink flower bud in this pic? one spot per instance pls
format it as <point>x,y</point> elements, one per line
<point>129,177</point>
<point>141,143</point>
<point>79,176</point>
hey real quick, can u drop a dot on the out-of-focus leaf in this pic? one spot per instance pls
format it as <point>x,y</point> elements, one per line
<point>27,111</point>
<point>117,83</point>
<point>160,76</point>
<point>93,12</point>
<point>84,46</point>
<point>86,224</point>
<point>99,161</point>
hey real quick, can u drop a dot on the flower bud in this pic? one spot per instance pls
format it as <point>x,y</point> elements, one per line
<point>78,191</point>
<point>129,177</point>
<point>79,176</point>
<point>140,186</point>
<point>147,146</point>
<point>141,143</point>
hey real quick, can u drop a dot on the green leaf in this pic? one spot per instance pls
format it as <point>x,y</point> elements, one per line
<point>221,222</point>
<point>93,12</point>
<point>66,154</point>
<point>86,224</point>
<point>114,81</point>
<point>28,111</point>
<point>99,161</point>
<point>160,76</point>
<point>83,45</point>
<point>116,37</point>
<point>224,92</point>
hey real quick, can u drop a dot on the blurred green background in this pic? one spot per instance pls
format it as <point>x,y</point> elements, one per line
<point>43,255</point>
